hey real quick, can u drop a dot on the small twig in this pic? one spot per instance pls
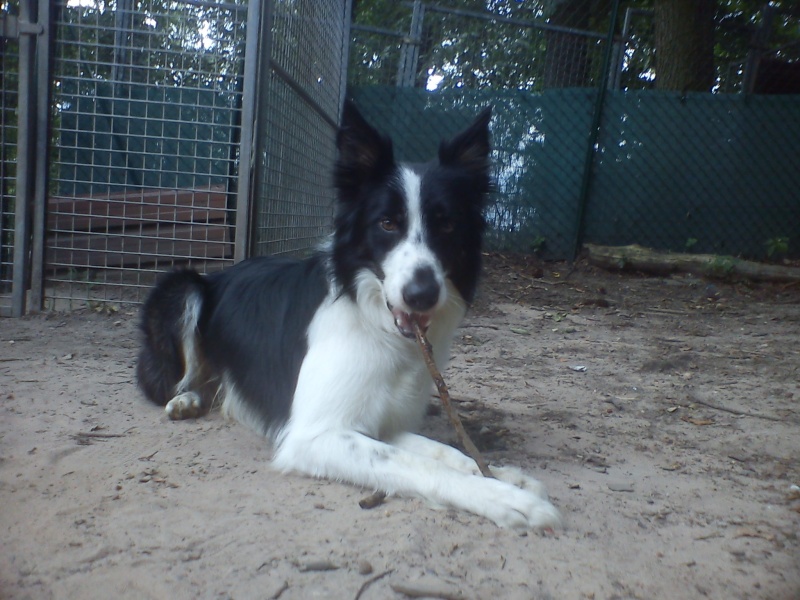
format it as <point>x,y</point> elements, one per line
<point>418,590</point>
<point>280,591</point>
<point>738,413</point>
<point>444,395</point>
<point>94,434</point>
<point>667,311</point>
<point>479,325</point>
<point>372,501</point>
<point>370,581</point>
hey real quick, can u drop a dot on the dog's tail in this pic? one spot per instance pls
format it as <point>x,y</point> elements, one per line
<point>171,354</point>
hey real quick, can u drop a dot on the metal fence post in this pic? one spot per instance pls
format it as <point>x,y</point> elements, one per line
<point>247,150</point>
<point>409,54</point>
<point>22,204</point>
<point>42,141</point>
<point>586,180</point>
<point>348,20</point>
<point>757,47</point>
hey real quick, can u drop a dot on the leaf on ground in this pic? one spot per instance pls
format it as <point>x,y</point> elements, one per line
<point>673,467</point>
<point>620,486</point>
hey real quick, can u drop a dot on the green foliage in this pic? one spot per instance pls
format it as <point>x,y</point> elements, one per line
<point>777,246</point>
<point>476,53</point>
<point>162,43</point>
<point>538,244</point>
<point>465,51</point>
<point>722,266</point>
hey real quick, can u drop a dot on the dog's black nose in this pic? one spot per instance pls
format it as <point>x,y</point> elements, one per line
<point>422,292</point>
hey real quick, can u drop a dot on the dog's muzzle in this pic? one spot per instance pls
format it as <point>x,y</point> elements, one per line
<point>420,297</point>
<point>405,321</point>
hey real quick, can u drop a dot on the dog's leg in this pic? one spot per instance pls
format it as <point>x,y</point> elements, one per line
<point>187,405</point>
<point>188,402</point>
<point>356,458</point>
<point>455,459</point>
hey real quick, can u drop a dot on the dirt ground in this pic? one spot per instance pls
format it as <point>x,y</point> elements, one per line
<point>663,415</point>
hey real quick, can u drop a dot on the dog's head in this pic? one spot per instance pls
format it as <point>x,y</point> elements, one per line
<point>415,229</point>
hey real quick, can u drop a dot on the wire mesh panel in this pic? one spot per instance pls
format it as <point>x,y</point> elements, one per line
<point>9,100</point>
<point>144,167</point>
<point>299,106</point>
<point>669,124</point>
<point>144,158</point>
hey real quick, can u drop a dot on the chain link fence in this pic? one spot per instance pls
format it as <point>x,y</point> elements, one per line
<point>671,125</point>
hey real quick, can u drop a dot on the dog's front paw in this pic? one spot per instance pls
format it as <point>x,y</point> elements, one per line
<point>184,406</point>
<point>519,478</point>
<point>516,508</point>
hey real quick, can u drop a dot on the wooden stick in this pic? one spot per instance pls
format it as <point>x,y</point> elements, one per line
<point>370,581</point>
<point>444,395</point>
<point>738,413</point>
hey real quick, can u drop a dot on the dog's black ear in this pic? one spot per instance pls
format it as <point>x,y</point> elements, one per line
<point>364,153</point>
<point>471,147</point>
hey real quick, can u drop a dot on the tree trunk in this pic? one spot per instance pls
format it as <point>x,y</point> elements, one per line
<point>684,35</point>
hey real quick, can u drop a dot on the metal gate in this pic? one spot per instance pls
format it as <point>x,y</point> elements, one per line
<point>181,132</point>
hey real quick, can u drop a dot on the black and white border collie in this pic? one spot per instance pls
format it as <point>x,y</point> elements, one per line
<point>319,354</point>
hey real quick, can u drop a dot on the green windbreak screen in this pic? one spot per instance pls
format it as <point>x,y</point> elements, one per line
<point>709,173</point>
<point>700,172</point>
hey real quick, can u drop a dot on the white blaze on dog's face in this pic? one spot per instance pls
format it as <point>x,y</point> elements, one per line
<point>414,281</point>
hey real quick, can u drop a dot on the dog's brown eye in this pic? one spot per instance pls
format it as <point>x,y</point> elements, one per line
<point>446,226</point>
<point>388,224</point>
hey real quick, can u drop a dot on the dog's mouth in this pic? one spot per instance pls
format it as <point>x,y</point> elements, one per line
<point>405,321</point>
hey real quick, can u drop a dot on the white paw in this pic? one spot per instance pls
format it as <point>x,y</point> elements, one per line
<point>515,508</point>
<point>184,406</point>
<point>517,477</point>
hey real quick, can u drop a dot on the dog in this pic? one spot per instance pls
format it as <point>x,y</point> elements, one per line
<point>319,354</point>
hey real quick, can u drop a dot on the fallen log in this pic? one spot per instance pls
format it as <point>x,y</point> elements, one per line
<point>639,258</point>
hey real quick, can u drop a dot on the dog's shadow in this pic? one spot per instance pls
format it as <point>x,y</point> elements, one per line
<point>485,425</point>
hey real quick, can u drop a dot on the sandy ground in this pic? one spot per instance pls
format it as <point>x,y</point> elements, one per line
<point>662,414</point>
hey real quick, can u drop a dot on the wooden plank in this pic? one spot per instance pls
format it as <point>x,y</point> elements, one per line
<point>119,211</point>
<point>180,243</point>
<point>137,228</point>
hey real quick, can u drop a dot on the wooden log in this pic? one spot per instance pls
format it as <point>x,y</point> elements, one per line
<point>638,258</point>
